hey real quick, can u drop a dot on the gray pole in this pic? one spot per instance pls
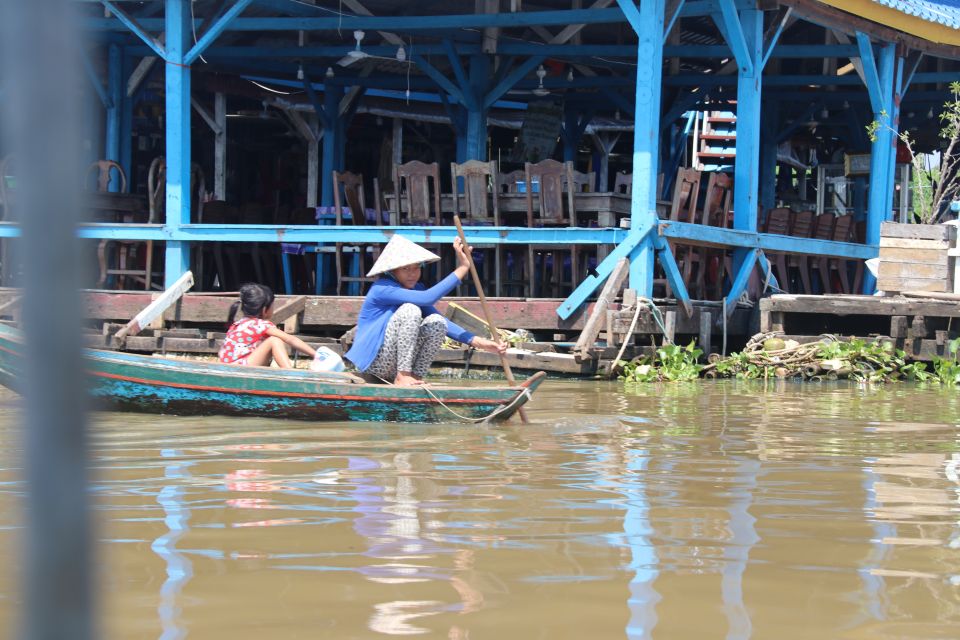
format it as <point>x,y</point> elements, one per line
<point>40,46</point>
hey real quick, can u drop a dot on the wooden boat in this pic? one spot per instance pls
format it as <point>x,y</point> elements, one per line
<point>128,382</point>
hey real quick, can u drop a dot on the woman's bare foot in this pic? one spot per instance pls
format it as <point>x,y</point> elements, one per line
<point>405,379</point>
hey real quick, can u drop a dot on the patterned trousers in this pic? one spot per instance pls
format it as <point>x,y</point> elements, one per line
<point>410,344</point>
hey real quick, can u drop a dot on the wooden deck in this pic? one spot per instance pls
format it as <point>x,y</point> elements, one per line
<point>920,325</point>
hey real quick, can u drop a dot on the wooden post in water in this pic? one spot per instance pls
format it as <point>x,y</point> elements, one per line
<point>486,311</point>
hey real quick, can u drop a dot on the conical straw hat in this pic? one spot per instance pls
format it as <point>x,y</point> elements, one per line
<point>400,252</point>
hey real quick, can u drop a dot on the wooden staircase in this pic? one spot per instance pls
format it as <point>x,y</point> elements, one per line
<point>716,140</point>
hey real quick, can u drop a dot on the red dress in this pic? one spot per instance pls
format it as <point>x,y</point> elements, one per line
<point>244,336</point>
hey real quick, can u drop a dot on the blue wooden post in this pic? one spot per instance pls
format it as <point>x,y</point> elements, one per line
<point>126,124</point>
<point>115,91</point>
<point>476,129</point>
<point>895,98</point>
<point>746,170</point>
<point>879,81</point>
<point>768,159</point>
<point>328,161</point>
<point>178,34</point>
<point>647,21</point>
<point>571,120</point>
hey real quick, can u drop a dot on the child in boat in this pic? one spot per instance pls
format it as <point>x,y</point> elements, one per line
<point>399,331</point>
<point>254,340</point>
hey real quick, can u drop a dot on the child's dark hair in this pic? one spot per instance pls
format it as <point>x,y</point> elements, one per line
<point>254,300</point>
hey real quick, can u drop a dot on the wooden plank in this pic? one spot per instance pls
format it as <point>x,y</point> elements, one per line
<point>940,232</point>
<point>457,314</point>
<point>908,243</point>
<point>156,307</point>
<point>931,295</point>
<point>911,284</point>
<point>907,271</point>
<point>598,314</point>
<point>898,327</point>
<point>860,305</point>
<point>706,332</point>
<point>519,359</point>
<point>914,256</point>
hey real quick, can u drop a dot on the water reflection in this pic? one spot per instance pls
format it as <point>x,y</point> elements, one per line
<point>710,510</point>
<point>179,567</point>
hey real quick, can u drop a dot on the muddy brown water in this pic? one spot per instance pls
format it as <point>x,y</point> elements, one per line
<point>709,510</point>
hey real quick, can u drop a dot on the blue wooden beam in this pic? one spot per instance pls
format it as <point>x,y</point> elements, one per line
<point>318,106</point>
<point>746,172</point>
<point>94,78</point>
<point>476,124</point>
<point>134,27</point>
<point>674,277</point>
<point>732,238</point>
<point>177,89</point>
<point>511,79</point>
<point>870,77</point>
<point>776,36</point>
<point>729,21</point>
<point>648,22</point>
<point>671,22</point>
<point>880,76</point>
<point>767,272</point>
<point>459,73</point>
<point>115,89</point>
<point>216,29</point>
<point>619,100</point>
<point>748,261</point>
<point>441,80</point>
<point>331,129</point>
<point>586,288</point>
<point>311,234</point>
<point>410,23</point>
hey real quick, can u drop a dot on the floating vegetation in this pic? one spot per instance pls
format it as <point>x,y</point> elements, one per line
<point>770,356</point>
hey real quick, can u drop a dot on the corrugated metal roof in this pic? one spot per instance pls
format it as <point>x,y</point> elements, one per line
<point>945,12</point>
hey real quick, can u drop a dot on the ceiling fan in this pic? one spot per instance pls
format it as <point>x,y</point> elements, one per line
<point>359,54</point>
<point>540,91</point>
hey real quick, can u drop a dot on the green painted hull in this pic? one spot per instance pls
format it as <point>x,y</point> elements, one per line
<point>129,382</point>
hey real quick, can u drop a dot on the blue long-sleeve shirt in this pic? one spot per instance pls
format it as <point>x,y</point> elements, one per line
<point>384,298</point>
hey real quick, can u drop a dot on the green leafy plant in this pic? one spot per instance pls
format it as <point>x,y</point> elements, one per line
<point>947,370</point>
<point>934,186</point>
<point>671,363</point>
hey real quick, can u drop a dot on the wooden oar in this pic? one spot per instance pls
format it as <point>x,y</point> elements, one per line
<point>486,312</point>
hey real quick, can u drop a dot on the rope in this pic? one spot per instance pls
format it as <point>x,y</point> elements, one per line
<point>623,347</point>
<point>657,317</point>
<point>524,393</point>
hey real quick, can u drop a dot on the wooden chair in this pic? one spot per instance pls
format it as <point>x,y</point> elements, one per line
<point>226,278</point>
<point>683,208</point>
<point>103,171</point>
<point>623,183</point>
<point>412,181</point>
<point>822,230</point>
<point>717,207</point>
<point>583,182</point>
<point>801,226</point>
<point>348,187</point>
<point>842,232</point>
<point>481,206</point>
<point>551,177</point>
<point>510,182</point>
<point>778,222</point>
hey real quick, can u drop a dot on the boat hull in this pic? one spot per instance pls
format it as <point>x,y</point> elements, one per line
<point>130,382</point>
